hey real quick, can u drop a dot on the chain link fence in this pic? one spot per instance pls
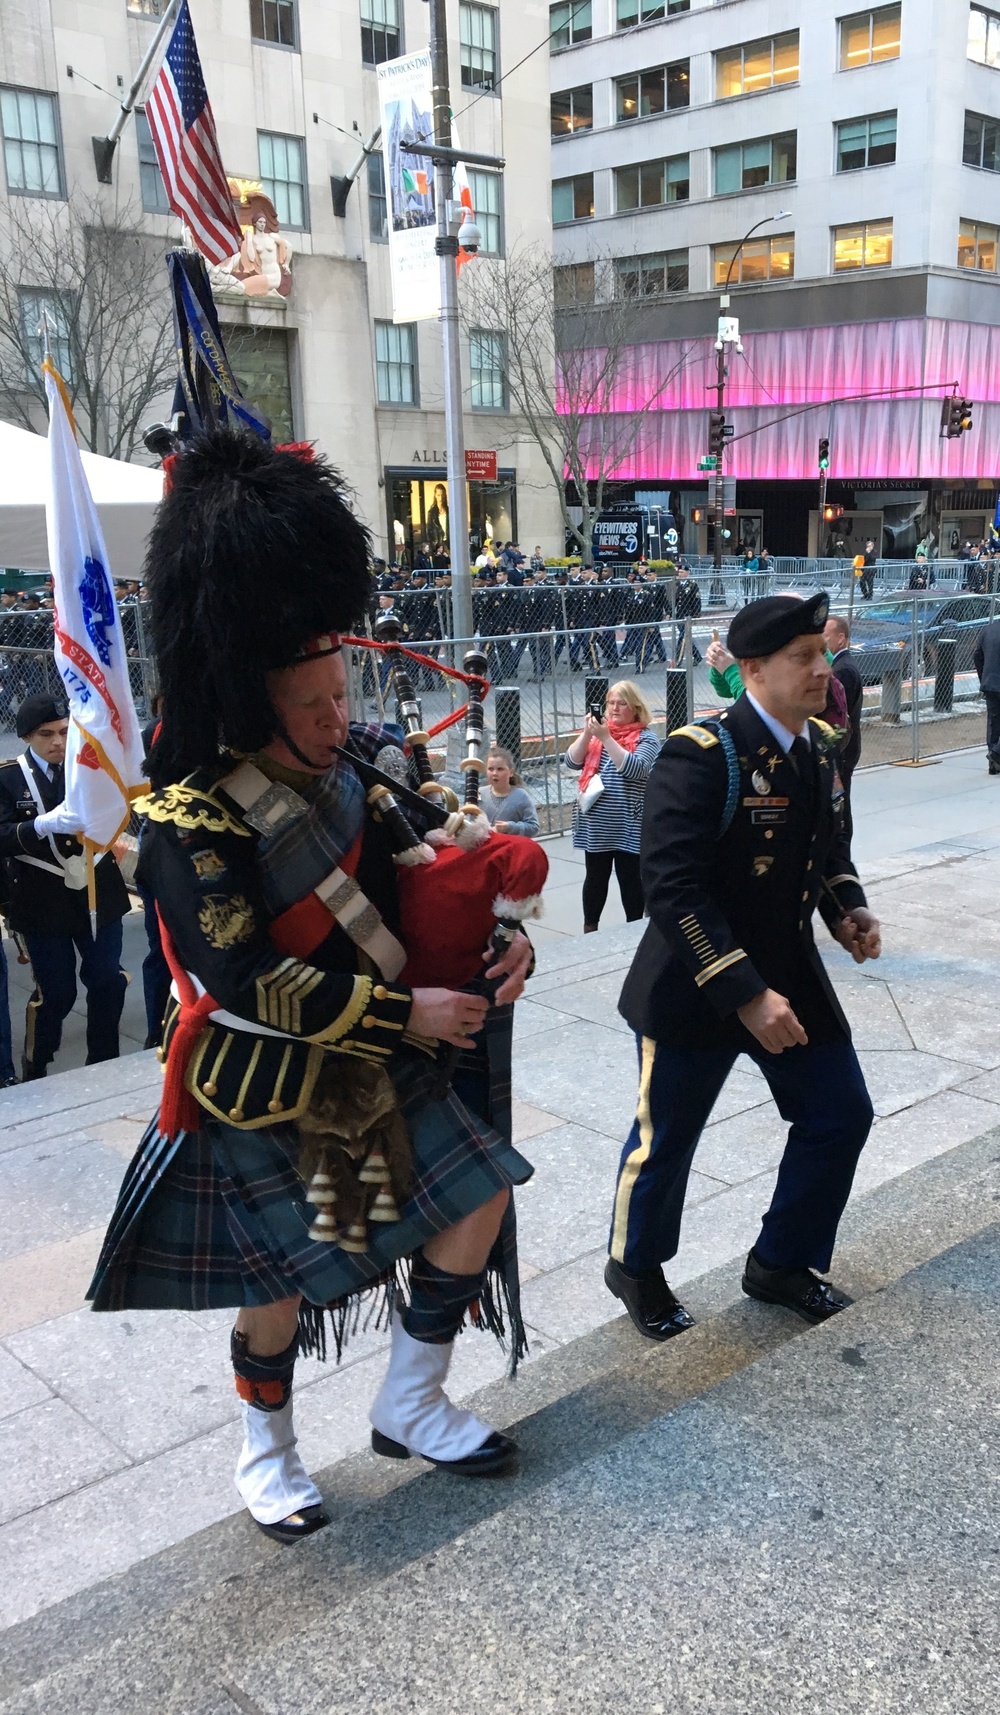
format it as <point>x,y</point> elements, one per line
<point>552,651</point>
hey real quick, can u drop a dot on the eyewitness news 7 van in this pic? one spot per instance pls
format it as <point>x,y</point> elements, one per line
<point>624,534</point>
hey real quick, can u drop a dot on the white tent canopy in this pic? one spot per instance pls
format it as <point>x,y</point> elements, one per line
<point>126,497</point>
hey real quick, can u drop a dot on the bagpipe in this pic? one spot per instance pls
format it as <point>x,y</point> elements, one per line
<point>463,887</point>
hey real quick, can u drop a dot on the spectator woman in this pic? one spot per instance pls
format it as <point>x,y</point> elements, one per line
<point>504,801</point>
<point>617,752</point>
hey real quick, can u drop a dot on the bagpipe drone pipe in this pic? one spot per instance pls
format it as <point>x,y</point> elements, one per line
<point>463,887</point>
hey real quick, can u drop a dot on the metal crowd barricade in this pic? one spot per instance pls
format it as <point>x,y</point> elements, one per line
<point>914,649</point>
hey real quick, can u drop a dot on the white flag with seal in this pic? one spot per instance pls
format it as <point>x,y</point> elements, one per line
<point>104,751</point>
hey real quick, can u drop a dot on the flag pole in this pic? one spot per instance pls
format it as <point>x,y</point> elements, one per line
<point>104,147</point>
<point>91,887</point>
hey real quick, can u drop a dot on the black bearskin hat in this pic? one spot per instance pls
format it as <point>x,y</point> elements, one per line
<point>254,552</point>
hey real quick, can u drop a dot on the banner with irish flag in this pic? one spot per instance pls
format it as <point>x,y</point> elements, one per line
<point>104,751</point>
<point>404,90</point>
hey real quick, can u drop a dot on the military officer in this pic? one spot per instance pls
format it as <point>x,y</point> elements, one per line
<point>48,907</point>
<point>742,839</point>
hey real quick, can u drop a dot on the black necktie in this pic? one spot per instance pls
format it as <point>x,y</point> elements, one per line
<point>59,781</point>
<point>799,754</point>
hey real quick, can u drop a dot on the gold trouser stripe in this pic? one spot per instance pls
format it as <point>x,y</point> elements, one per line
<point>639,1156</point>
<point>719,966</point>
<point>31,1012</point>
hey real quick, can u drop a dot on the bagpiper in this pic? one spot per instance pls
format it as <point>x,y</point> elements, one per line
<point>326,1130</point>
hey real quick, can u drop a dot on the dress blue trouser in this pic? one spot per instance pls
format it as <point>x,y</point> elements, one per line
<point>53,965</point>
<point>819,1089</point>
<point>6,1049</point>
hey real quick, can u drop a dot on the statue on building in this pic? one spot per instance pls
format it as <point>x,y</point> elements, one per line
<point>261,268</point>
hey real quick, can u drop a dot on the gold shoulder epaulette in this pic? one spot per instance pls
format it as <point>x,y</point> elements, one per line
<point>700,734</point>
<point>190,807</point>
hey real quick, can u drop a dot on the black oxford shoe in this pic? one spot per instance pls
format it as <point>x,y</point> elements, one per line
<point>796,1289</point>
<point>296,1526</point>
<point>495,1454</point>
<point>649,1301</point>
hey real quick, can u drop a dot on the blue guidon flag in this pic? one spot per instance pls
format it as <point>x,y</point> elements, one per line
<point>104,752</point>
<point>187,148</point>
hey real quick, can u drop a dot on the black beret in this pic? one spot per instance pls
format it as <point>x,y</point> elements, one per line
<point>763,627</point>
<point>36,711</point>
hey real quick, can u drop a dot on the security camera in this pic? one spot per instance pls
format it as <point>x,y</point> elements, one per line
<point>469,236</point>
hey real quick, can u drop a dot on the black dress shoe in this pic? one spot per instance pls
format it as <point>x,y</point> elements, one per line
<point>8,1083</point>
<point>649,1301</point>
<point>493,1456</point>
<point>296,1526</point>
<point>797,1289</point>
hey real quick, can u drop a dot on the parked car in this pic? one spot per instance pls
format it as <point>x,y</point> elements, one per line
<point>882,636</point>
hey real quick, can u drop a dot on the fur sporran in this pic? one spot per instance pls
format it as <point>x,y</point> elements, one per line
<point>356,1158</point>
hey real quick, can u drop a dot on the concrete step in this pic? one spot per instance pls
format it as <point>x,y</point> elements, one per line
<point>693,1527</point>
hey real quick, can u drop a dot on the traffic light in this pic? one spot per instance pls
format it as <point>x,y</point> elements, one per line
<point>824,454</point>
<point>832,513</point>
<point>716,433</point>
<point>956,417</point>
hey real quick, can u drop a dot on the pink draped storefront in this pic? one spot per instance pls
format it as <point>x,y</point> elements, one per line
<point>780,371</point>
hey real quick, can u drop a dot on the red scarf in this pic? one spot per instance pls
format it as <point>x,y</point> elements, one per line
<point>627,736</point>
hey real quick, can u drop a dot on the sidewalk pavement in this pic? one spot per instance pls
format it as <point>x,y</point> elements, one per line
<point>118,1433</point>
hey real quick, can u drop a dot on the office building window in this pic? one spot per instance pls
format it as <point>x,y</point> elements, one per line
<point>650,183</point>
<point>31,142</point>
<point>573,284</point>
<point>866,142</point>
<point>396,363</point>
<point>487,201</point>
<point>146,8</point>
<point>572,199</point>
<point>651,276</point>
<point>488,370</point>
<point>632,12</point>
<point>273,21</point>
<point>757,65</point>
<point>867,245</point>
<point>573,110</point>
<point>758,259</point>
<point>981,143</point>
<point>868,37</point>
<point>656,91</point>
<point>977,245</point>
<point>36,308</point>
<point>152,190</point>
<point>381,31</point>
<point>378,216</point>
<point>283,175</point>
<point>478,35</point>
<point>984,36</point>
<point>745,166</point>
<point>570,21</point>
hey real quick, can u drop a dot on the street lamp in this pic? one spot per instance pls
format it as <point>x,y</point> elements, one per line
<point>729,335</point>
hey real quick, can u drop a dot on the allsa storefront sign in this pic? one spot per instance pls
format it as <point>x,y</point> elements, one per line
<point>480,466</point>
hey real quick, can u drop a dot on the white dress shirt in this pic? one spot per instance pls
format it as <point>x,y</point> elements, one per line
<point>780,733</point>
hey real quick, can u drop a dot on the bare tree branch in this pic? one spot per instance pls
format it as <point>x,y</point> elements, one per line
<point>103,285</point>
<point>564,369</point>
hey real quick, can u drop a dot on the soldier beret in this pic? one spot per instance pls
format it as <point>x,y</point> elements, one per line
<point>763,627</point>
<point>35,711</point>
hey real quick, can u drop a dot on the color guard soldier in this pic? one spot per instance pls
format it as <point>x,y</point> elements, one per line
<point>48,907</point>
<point>742,839</point>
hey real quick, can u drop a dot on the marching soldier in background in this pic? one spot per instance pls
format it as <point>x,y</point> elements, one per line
<point>48,909</point>
<point>742,839</point>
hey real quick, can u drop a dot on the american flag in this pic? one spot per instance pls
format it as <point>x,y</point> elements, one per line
<point>183,132</point>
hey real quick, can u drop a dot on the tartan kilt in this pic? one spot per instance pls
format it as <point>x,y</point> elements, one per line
<point>218,1218</point>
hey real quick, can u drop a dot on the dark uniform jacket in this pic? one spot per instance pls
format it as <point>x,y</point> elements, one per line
<point>199,860</point>
<point>40,901</point>
<point>846,669</point>
<point>987,658</point>
<point>732,916</point>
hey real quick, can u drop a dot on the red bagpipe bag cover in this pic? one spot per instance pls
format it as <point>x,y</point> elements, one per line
<point>449,908</point>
